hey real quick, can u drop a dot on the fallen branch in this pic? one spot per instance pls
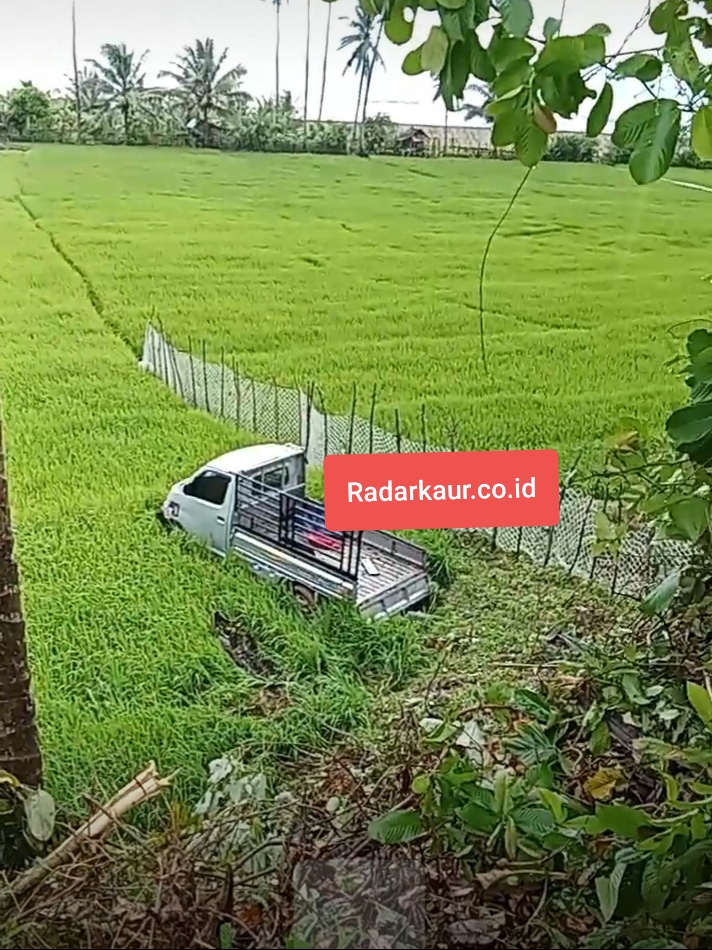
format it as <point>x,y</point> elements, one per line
<point>142,788</point>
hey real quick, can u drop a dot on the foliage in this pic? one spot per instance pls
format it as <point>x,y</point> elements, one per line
<point>207,93</point>
<point>538,79</point>
<point>571,148</point>
<point>27,108</point>
<point>27,821</point>
<point>119,82</point>
<point>538,791</point>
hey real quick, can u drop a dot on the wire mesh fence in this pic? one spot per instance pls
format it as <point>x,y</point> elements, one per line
<point>299,417</point>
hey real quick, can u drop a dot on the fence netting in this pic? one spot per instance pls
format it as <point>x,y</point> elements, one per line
<point>291,415</point>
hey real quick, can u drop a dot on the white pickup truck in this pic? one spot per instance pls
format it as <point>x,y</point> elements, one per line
<point>253,502</point>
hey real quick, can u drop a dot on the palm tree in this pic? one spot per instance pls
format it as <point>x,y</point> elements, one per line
<point>364,55</point>
<point>19,745</point>
<point>206,93</point>
<point>120,80</point>
<point>306,72</point>
<point>278,11</point>
<point>478,110</point>
<point>326,59</point>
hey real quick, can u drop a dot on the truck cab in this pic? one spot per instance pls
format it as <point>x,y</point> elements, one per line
<point>203,504</point>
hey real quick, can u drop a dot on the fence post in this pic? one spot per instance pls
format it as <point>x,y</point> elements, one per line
<point>192,371</point>
<point>276,409</point>
<point>310,398</point>
<point>174,362</point>
<point>254,407</point>
<point>205,377</point>
<point>238,394</point>
<point>371,419</point>
<point>222,382</point>
<point>422,427</point>
<point>616,563</point>
<point>398,432</point>
<point>352,421</point>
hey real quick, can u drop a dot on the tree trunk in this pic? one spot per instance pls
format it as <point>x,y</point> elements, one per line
<point>125,115</point>
<point>326,59</point>
<point>77,94</point>
<point>306,75</point>
<point>361,80</point>
<point>367,90</point>
<point>19,745</point>
<point>445,138</point>
<point>278,5</point>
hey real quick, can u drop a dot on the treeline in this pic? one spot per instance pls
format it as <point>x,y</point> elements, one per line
<point>205,105</point>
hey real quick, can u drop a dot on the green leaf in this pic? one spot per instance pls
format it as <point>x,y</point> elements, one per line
<point>434,51</point>
<point>563,55</point>
<point>564,94</point>
<point>631,687</point>
<point>477,818</point>
<point>412,64</point>
<point>599,29</point>
<point>623,820</point>
<point>642,66</point>
<point>40,811</point>
<point>690,424</point>
<point>608,889</point>
<point>452,4</point>
<point>702,133</point>
<point>684,61</point>
<point>534,821</point>
<point>551,27</point>
<point>511,839</point>
<point>664,15</point>
<point>701,702</point>
<point>505,50</point>
<point>514,77</point>
<point>656,142</point>
<point>457,71</point>
<point>660,598</point>
<point>555,803</point>
<point>397,28</point>
<point>506,128</point>
<point>396,827</point>
<point>691,516</point>
<point>517,16</point>
<point>421,784</point>
<point>480,61</point>
<point>601,112</point>
<point>531,143</point>
<point>533,704</point>
<point>452,24</point>
<point>605,529</point>
<point>600,739</point>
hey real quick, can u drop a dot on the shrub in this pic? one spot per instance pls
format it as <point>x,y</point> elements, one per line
<point>572,148</point>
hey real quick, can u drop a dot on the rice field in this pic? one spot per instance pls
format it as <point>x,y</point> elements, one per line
<point>303,268</point>
<point>343,271</point>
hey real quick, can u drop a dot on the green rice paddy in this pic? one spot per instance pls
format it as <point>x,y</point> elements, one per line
<point>336,270</point>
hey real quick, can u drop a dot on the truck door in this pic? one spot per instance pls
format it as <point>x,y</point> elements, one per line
<point>206,511</point>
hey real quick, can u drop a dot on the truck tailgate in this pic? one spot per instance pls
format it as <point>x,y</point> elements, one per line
<point>392,575</point>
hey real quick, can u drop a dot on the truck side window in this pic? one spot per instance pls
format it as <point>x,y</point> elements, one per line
<point>274,478</point>
<point>209,486</point>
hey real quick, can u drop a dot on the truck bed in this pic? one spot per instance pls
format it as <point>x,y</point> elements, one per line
<point>382,573</point>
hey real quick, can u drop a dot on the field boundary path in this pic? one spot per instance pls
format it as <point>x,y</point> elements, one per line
<point>690,184</point>
<point>290,415</point>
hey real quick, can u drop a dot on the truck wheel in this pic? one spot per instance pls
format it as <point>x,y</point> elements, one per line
<point>306,598</point>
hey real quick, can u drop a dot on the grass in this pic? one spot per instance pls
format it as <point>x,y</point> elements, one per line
<point>345,271</point>
<point>125,665</point>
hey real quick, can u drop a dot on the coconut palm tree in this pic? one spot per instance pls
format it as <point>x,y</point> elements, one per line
<point>478,110</point>
<point>306,73</point>
<point>121,81</point>
<point>326,59</point>
<point>206,93</point>
<point>278,12</point>
<point>19,745</point>
<point>364,56</point>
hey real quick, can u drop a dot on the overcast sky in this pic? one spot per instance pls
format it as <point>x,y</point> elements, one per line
<point>35,44</point>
